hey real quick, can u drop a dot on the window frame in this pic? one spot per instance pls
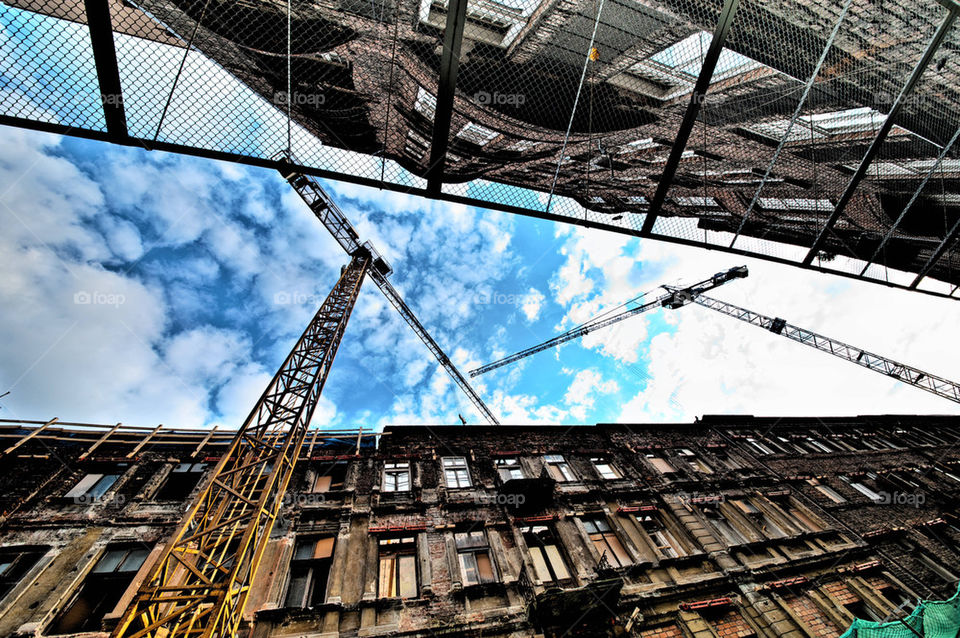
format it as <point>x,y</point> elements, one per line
<point>311,566</point>
<point>468,551</point>
<point>403,549</point>
<point>460,470</point>
<point>561,468</point>
<point>549,560</point>
<point>599,462</point>
<point>396,469</point>
<point>603,534</point>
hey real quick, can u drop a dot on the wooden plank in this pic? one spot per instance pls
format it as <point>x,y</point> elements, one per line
<point>29,436</point>
<point>204,442</point>
<point>145,440</point>
<point>100,441</point>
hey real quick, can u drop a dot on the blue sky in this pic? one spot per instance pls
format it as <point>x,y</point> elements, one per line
<point>146,288</point>
<point>151,288</point>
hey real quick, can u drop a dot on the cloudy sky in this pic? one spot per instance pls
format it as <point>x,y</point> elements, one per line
<point>150,288</point>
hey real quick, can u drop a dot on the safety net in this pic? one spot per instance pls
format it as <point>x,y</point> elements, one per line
<point>930,619</point>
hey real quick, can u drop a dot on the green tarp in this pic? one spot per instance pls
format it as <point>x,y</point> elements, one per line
<point>930,619</point>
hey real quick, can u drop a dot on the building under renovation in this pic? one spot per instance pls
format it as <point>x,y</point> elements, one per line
<point>729,526</point>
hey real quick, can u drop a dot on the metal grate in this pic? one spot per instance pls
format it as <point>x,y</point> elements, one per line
<point>564,109</point>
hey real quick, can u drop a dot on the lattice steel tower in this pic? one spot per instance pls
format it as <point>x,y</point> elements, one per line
<point>199,585</point>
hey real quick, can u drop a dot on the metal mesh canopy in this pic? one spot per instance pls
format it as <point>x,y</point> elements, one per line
<point>821,133</point>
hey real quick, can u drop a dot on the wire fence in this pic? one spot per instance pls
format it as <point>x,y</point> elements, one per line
<point>566,109</point>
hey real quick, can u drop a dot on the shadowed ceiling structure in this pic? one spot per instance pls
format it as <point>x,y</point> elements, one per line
<point>818,133</point>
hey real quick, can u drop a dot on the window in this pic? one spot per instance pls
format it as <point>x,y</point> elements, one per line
<point>718,521</point>
<point>92,487</point>
<point>101,590</point>
<point>767,525</point>
<point>558,468</point>
<point>326,478</point>
<point>509,469</point>
<point>663,541</point>
<point>686,57</point>
<point>863,489</point>
<point>548,563</point>
<point>479,135</point>
<point>309,569</point>
<point>15,562</point>
<point>826,125</point>
<point>605,469</point>
<point>606,542</point>
<point>396,476</point>
<point>804,520</point>
<point>473,552</point>
<point>760,447</point>
<point>827,491</point>
<point>426,103</point>
<point>180,482</point>
<point>660,464</point>
<point>455,473</point>
<point>695,461</point>
<point>398,567</point>
<point>696,202</point>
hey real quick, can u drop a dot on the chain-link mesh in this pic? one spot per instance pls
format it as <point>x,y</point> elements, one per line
<point>563,108</point>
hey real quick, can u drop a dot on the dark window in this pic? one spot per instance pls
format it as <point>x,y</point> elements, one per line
<point>545,553</point>
<point>309,569</point>
<point>101,590</point>
<point>180,482</point>
<point>398,567</point>
<point>473,553</point>
<point>663,541</point>
<point>15,562</point>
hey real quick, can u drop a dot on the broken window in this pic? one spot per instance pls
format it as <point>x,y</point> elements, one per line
<point>426,103</point>
<point>396,476</point>
<point>180,482</point>
<point>309,569</point>
<point>15,562</point>
<point>663,541</point>
<point>473,553</point>
<point>558,468</point>
<point>606,543</point>
<point>605,469</point>
<point>92,487</point>
<point>509,469</point>
<point>758,516</point>
<point>327,477</point>
<point>398,567</point>
<point>455,473</point>
<point>545,554</point>
<point>101,590</point>
<point>698,464</point>
<point>759,446</point>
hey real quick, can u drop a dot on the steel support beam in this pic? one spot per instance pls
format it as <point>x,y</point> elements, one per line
<point>447,88</point>
<point>913,199</point>
<point>937,254</point>
<point>693,110</point>
<point>882,133</point>
<point>278,165</point>
<point>105,60</point>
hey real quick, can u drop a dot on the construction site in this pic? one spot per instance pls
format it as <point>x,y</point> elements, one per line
<point>818,135</point>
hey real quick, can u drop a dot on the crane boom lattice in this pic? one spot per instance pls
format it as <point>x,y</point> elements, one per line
<point>894,369</point>
<point>199,585</point>
<point>343,231</point>
<point>674,298</point>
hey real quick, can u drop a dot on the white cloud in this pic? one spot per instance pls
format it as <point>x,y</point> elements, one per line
<point>583,391</point>
<point>531,304</point>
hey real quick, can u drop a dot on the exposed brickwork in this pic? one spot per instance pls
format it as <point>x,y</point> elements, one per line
<point>815,620</point>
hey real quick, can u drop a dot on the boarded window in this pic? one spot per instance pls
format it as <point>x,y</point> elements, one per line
<point>326,477</point>
<point>398,568</point>
<point>309,570</point>
<point>660,464</point>
<point>473,552</point>
<point>558,468</point>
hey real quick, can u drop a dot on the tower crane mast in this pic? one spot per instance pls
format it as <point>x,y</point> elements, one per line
<point>343,231</point>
